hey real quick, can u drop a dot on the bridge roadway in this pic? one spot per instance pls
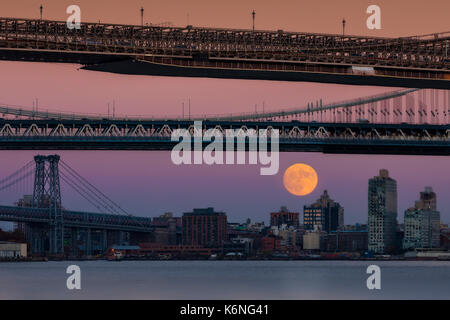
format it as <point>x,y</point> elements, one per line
<point>366,138</point>
<point>75,219</point>
<point>416,61</point>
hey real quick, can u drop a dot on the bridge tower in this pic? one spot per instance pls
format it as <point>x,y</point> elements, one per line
<point>47,194</point>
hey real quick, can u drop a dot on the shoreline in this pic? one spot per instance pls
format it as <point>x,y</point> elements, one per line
<point>259,259</point>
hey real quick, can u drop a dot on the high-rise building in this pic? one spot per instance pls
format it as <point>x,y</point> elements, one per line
<point>204,227</point>
<point>325,213</point>
<point>427,200</point>
<point>382,224</point>
<point>422,223</point>
<point>290,219</point>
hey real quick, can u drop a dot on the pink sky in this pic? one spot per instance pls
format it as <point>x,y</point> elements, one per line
<point>64,87</point>
<point>147,183</point>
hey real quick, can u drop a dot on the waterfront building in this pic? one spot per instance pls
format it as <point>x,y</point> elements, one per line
<point>346,241</point>
<point>287,234</point>
<point>325,213</point>
<point>311,240</point>
<point>445,238</point>
<point>422,223</point>
<point>382,209</point>
<point>271,244</point>
<point>12,250</point>
<point>284,216</point>
<point>238,245</point>
<point>167,229</point>
<point>204,227</point>
<point>314,240</point>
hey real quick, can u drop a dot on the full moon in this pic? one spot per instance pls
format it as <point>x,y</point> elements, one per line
<point>300,179</point>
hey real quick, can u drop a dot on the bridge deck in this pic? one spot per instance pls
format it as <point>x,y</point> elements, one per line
<point>156,135</point>
<point>77,219</point>
<point>182,51</point>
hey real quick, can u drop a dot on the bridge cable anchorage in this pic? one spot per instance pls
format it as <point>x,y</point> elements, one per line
<point>100,201</point>
<point>80,192</point>
<point>93,189</point>
<point>18,172</point>
<point>88,195</point>
<point>16,181</point>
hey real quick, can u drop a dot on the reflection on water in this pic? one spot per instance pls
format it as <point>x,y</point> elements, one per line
<point>225,280</point>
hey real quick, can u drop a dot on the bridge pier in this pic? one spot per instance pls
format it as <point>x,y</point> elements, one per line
<point>74,241</point>
<point>122,237</point>
<point>104,240</point>
<point>88,243</point>
<point>38,240</point>
<point>37,236</point>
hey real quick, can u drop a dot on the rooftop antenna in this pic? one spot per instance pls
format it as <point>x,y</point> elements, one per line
<point>142,16</point>
<point>253,19</point>
<point>40,8</point>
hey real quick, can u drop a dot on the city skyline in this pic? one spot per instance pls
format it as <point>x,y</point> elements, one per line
<point>253,196</point>
<point>204,152</point>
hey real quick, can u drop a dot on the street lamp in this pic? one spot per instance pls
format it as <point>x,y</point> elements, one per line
<point>142,16</point>
<point>40,8</point>
<point>253,18</point>
<point>343,27</point>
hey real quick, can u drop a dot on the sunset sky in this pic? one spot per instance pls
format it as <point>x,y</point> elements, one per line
<point>147,183</point>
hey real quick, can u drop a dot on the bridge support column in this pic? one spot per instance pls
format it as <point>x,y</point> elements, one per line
<point>104,240</point>
<point>88,244</point>
<point>37,240</point>
<point>74,244</point>
<point>35,243</point>
<point>121,237</point>
<point>57,238</point>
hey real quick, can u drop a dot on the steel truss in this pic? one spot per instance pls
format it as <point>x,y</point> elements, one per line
<point>415,56</point>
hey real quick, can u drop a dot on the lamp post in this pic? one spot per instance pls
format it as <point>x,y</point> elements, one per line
<point>253,19</point>
<point>343,27</point>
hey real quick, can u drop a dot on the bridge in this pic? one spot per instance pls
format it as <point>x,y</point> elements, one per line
<point>408,121</point>
<point>50,228</point>
<point>416,61</point>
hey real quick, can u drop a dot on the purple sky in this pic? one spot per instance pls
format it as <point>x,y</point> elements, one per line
<point>148,184</point>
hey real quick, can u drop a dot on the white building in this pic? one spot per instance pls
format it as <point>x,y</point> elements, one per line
<point>13,250</point>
